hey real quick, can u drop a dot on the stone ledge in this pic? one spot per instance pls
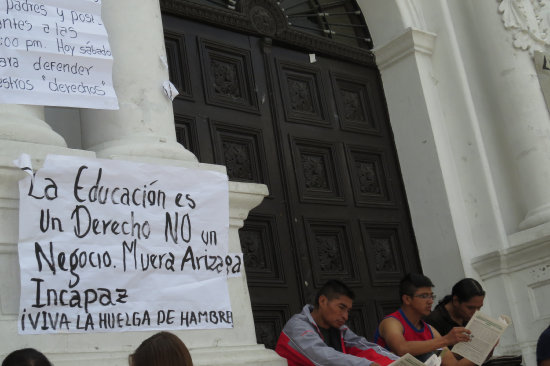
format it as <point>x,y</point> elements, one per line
<point>528,248</point>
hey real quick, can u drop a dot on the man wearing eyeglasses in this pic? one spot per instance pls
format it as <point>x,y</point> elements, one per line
<point>405,331</point>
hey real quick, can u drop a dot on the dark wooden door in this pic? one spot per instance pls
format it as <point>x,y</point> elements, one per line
<point>315,130</point>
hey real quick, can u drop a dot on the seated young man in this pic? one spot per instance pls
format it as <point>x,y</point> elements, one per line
<point>318,335</point>
<point>404,331</point>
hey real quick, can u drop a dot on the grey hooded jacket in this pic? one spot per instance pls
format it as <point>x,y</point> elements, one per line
<point>301,344</point>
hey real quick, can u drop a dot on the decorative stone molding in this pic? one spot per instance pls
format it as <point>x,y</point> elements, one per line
<point>411,41</point>
<point>528,250</point>
<point>265,16</point>
<point>243,197</point>
<point>412,14</point>
<point>529,21</point>
<point>253,17</point>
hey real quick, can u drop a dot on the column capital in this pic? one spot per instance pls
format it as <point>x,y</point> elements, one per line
<point>243,197</point>
<point>410,42</point>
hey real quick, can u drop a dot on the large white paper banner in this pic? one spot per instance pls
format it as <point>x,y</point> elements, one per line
<point>55,52</point>
<point>107,245</point>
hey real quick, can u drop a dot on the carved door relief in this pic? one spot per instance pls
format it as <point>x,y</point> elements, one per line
<point>317,134</point>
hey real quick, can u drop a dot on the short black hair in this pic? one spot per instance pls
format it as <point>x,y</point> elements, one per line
<point>333,289</point>
<point>412,282</point>
<point>26,357</point>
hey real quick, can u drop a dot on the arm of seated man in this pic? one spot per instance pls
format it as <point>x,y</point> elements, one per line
<point>392,332</point>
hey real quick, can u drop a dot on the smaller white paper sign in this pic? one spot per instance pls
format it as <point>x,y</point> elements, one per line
<point>55,52</point>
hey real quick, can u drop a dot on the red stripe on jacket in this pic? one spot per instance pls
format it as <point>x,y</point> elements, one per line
<point>295,358</point>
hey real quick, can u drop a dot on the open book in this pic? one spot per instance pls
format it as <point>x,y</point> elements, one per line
<point>485,334</point>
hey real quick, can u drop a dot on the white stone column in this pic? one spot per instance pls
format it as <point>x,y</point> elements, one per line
<point>503,36</point>
<point>144,124</point>
<point>417,122</point>
<point>525,121</point>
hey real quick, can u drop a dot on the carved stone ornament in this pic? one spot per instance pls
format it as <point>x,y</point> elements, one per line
<point>263,21</point>
<point>266,16</point>
<point>529,20</point>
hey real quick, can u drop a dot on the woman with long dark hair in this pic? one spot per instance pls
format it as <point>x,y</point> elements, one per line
<point>456,309</point>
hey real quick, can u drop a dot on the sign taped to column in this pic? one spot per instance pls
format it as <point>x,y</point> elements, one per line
<point>55,52</point>
<point>107,245</point>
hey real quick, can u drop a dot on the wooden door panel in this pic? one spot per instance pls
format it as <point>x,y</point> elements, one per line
<point>228,76</point>
<point>318,171</point>
<point>263,255</point>
<point>186,133</point>
<point>331,253</point>
<point>242,150</point>
<point>268,322</point>
<point>302,98</point>
<point>178,67</point>
<point>369,176</point>
<point>355,104</point>
<point>386,260</point>
<point>362,319</point>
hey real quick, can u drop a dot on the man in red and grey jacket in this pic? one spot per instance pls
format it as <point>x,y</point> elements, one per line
<point>318,336</point>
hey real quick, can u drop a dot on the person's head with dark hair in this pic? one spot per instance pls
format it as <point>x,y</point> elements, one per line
<point>416,293</point>
<point>466,297</point>
<point>332,304</point>
<point>467,288</point>
<point>412,282</point>
<point>26,357</point>
<point>333,289</point>
<point>161,349</point>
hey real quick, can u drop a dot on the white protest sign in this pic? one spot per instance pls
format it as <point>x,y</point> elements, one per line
<point>55,52</point>
<point>107,245</point>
